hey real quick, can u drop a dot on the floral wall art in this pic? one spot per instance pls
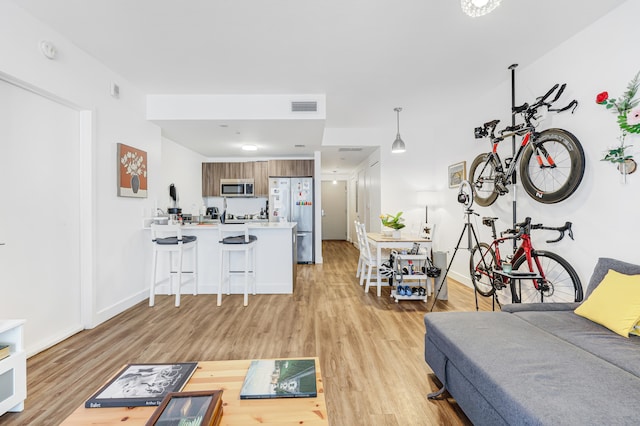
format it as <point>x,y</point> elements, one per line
<point>132,172</point>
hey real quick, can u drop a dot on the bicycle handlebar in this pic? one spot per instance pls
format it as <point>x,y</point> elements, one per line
<point>564,85</point>
<point>526,227</point>
<point>528,112</point>
<point>541,101</point>
<point>562,229</point>
<point>546,95</point>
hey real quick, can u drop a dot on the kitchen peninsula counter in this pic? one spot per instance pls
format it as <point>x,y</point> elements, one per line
<point>275,258</point>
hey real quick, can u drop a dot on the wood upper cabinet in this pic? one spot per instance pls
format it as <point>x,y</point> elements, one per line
<point>257,170</point>
<point>213,172</point>
<point>294,168</point>
<point>210,180</point>
<point>261,177</point>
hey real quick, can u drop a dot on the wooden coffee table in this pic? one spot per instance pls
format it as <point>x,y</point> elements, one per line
<point>229,376</point>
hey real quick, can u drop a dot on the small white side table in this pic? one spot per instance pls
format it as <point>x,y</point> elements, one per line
<point>13,369</point>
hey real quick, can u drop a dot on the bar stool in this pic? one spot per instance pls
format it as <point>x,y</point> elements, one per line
<point>236,238</point>
<point>169,239</point>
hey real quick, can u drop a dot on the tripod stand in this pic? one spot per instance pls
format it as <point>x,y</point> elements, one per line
<point>465,196</point>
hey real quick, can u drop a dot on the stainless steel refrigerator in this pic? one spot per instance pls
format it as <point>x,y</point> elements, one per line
<point>291,200</point>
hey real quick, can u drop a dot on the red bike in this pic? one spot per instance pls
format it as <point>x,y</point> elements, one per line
<point>534,276</point>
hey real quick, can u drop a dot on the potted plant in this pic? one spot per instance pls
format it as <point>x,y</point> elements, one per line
<point>628,118</point>
<point>394,223</point>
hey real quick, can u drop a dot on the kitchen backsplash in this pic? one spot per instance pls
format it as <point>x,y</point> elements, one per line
<point>237,206</point>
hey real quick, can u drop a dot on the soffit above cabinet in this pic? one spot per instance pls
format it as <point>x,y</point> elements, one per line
<point>218,125</point>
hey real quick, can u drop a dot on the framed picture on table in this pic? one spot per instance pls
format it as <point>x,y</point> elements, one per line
<point>197,408</point>
<point>457,173</point>
<point>426,231</point>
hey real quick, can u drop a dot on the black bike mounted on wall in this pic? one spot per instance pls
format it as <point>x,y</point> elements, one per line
<point>552,161</point>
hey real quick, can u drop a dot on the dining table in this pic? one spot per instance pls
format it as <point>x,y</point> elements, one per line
<point>403,242</point>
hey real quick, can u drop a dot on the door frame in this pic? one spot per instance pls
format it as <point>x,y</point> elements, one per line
<point>86,136</point>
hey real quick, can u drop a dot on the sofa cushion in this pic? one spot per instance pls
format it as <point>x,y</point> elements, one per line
<point>603,266</point>
<point>529,375</point>
<point>615,303</point>
<point>519,307</point>
<point>590,337</point>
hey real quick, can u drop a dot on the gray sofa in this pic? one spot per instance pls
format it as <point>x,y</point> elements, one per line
<point>537,364</point>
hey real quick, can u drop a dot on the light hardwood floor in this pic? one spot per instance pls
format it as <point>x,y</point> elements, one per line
<point>371,349</point>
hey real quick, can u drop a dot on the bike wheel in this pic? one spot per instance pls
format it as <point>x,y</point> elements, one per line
<point>560,281</point>
<point>482,262</point>
<point>553,184</point>
<point>482,177</point>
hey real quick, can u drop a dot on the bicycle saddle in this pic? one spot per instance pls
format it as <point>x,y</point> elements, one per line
<point>487,221</point>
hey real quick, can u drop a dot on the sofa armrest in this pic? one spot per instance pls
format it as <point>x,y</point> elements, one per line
<point>521,307</point>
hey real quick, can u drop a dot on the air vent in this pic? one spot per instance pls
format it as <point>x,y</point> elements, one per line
<point>299,146</point>
<point>305,106</point>
<point>349,149</point>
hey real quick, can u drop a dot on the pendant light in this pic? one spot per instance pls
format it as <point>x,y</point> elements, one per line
<point>398,145</point>
<point>475,8</point>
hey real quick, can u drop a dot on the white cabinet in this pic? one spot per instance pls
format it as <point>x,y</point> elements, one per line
<point>13,369</point>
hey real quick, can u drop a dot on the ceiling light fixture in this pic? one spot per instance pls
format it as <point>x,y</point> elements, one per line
<point>249,148</point>
<point>475,8</point>
<point>398,145</point>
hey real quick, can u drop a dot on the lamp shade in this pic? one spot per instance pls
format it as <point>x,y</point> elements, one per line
<point>475,8</point>
<point>398,146</point>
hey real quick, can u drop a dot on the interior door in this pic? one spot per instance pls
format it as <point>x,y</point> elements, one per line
<point>39,218</point>
<point>334,209</point>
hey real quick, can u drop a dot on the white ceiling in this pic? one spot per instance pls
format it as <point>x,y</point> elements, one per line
<point>366,56</point>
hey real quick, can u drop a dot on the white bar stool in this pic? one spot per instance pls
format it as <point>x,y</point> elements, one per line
<point>169,239</point>
<point>236,238</point>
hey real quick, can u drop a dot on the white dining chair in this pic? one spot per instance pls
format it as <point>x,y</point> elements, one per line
<point>369,262</point>
<point>361,256</point>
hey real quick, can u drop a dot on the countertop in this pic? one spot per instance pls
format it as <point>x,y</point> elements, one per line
<point>146,224</point>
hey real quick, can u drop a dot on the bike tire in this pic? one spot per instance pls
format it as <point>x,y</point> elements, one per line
<point>561,283</point>
<point>552,185</point>
<point>481,271</point>
<point>482,177</point>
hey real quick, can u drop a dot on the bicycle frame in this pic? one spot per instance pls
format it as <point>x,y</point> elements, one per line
<point>524,249</point>
<point>512,166</point>
<point>529,137</point>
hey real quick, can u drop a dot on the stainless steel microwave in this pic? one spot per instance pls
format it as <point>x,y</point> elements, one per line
<point>236,187</point>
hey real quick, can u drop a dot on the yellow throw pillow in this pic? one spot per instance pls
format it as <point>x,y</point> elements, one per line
<point>636,329</point>
<point>615,303</point>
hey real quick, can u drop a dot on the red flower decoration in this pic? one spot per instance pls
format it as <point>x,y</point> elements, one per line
<point>602,97</point>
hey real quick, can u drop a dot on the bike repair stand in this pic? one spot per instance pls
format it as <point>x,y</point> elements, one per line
<point>471,238</point>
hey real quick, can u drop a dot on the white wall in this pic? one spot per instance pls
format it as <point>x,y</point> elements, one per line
<point>602,57</point>
<point>183,168</point>
<point>117,278</point>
